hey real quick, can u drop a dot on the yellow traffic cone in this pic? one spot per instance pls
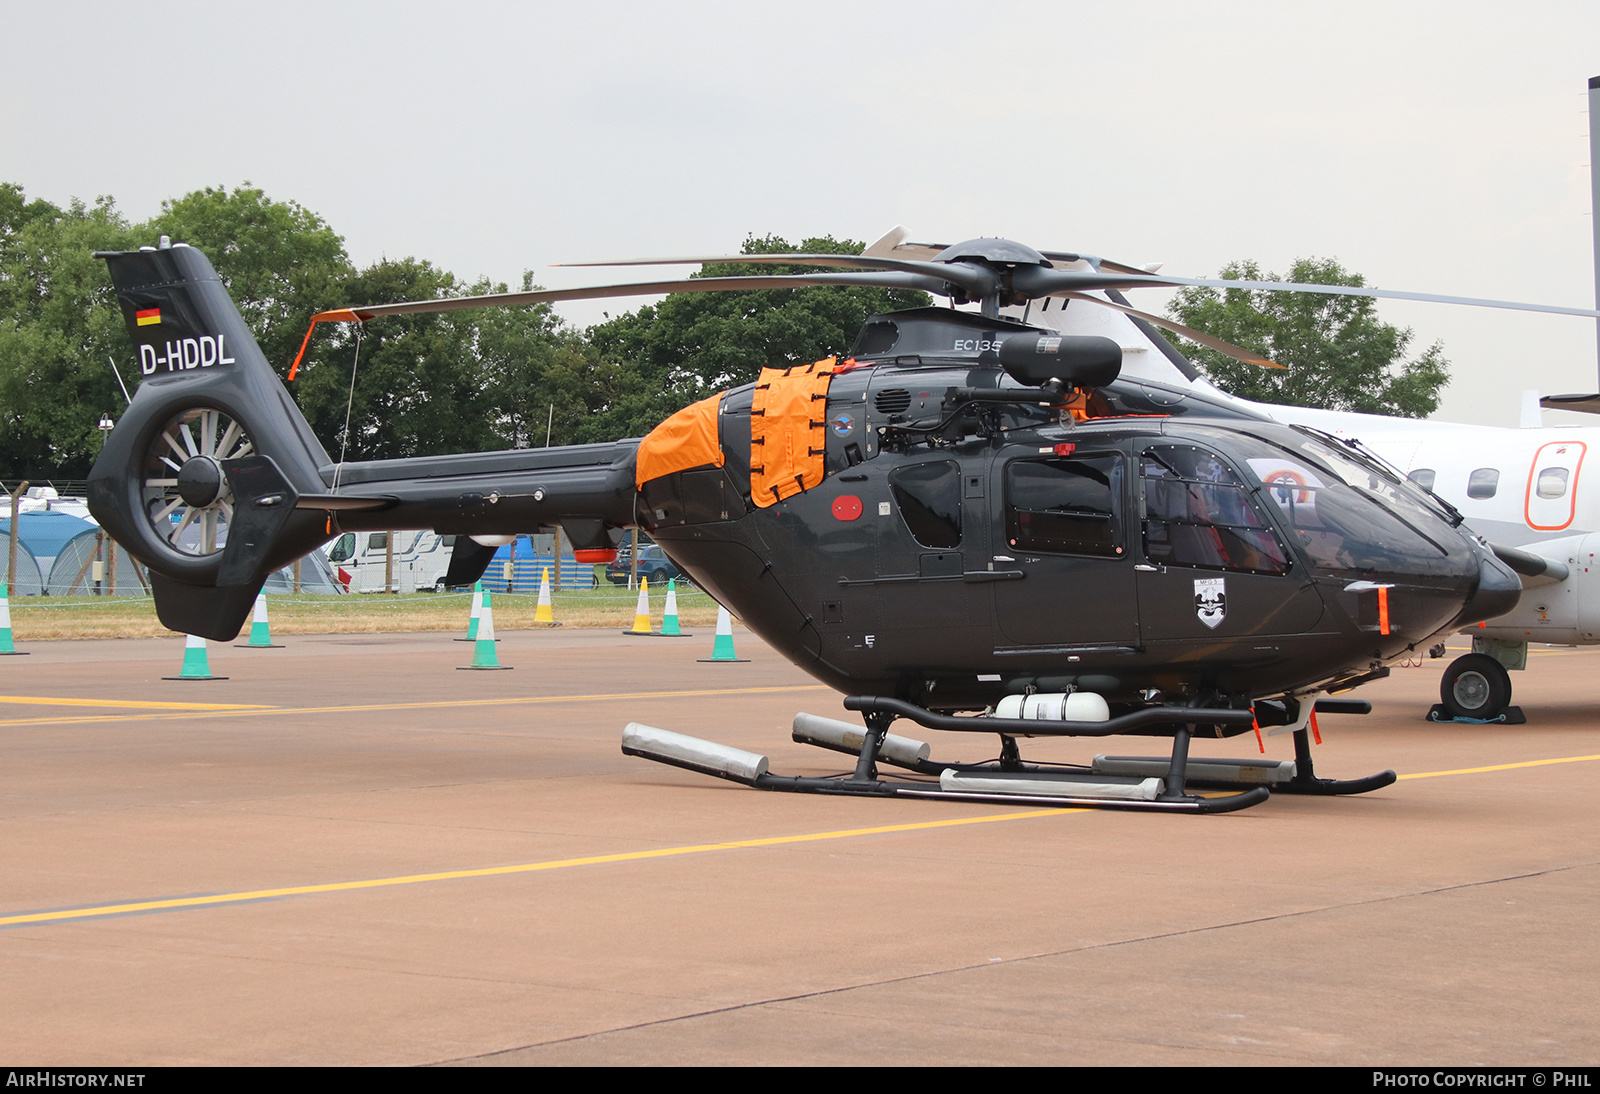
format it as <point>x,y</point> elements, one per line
<point>641,613</point>
<point>545,612</point>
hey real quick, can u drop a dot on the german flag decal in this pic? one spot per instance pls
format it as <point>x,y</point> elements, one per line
<point>148,316</point>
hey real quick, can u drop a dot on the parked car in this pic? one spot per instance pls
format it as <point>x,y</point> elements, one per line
<point>653,564</point>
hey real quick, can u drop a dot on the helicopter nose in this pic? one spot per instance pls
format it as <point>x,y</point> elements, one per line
<point>1499,588</point>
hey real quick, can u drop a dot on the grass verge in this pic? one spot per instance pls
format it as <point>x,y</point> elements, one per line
<point>37,618</point>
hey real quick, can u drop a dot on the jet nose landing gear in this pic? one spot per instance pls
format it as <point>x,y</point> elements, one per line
<point>1476,688</point>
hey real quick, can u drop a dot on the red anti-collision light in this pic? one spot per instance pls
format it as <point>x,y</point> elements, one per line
<point>594,556</point>
<point>1066,449</point>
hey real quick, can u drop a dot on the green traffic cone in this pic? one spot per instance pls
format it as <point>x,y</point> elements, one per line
<point>483,655</point>
<point>722,648</point>
<point>6,648</point>
<point>669,621</point>
<point>260,632</point>
<point>195,664</point>
<point>477,608</point>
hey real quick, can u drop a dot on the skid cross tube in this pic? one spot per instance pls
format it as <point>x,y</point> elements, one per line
<point>1135,722</point>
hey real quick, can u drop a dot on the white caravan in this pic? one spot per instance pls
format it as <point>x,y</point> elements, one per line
<point>421,560</point>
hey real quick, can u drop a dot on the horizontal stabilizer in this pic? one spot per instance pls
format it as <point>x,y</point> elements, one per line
<point>341,502</point>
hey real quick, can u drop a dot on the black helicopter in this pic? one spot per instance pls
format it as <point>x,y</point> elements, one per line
<point>968,513</point>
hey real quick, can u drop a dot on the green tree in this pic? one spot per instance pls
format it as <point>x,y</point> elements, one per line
<point>692,344</point>
<point>60,327</point>
<point>457,381</point>
<point>547,383</point>
<point>1338,354</point>
<point>416,390</point>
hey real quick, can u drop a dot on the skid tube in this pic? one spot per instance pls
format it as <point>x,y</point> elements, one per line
<point>1280,776</point>
<point>1012,783</point>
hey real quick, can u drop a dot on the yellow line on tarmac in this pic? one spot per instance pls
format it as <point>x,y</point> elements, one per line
<point>101,911</point>
<point>1500,767</point>
<point>44,701</point>
<point>225,712</point>
<point>494,871</point>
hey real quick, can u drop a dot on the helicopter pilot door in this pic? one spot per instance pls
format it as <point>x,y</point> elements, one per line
<point>1062,531</point>
<point>1213,567</point>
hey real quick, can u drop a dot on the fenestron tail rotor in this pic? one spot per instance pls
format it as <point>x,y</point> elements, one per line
<point>187,497</point>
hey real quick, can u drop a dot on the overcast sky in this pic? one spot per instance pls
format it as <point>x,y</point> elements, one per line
<point>1438,147</point>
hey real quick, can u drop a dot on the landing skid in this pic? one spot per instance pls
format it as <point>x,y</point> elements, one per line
<point>1297,776</point>
<point>1007,781</point>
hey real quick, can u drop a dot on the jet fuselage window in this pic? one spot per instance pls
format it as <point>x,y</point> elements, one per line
<point>1482,483</point>
<point>1553,482</point>
<point>1423,477</point>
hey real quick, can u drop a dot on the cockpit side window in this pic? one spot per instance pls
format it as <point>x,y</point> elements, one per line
<point>1066,506</point>
<point>1198,512</point>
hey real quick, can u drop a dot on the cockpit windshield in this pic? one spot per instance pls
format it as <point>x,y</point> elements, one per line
<point>1350,516</point>
<point>1374,471</point>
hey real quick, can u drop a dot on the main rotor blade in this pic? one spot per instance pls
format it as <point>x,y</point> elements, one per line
<point>1386,294</point>
<point>1585,404</point>
<point>973,280</point>
<point>1115,267</point>
<point>1226,348</point>
<point>900,246</point>
<point>1041,282</point>
<point>884,246</point>
<point>889,279</point>
<point>1034,282</point>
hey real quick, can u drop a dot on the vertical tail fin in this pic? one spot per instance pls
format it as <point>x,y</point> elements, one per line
<point>200,477</point>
